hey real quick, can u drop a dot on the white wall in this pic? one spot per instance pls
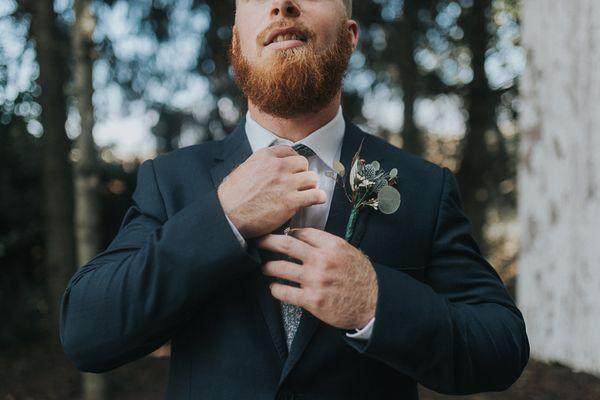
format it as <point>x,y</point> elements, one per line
<point>559,181</point>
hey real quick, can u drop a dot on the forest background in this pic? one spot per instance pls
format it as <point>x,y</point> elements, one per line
<point>89,89</point>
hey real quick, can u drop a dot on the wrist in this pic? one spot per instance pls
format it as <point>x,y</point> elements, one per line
<point>369,316</point>
<point>229,213</point>
<point>371,297</point>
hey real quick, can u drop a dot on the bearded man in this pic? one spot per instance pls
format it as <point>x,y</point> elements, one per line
<point>256,311</point>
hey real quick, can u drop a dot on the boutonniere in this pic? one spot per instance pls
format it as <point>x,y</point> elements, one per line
<point>370,186</point>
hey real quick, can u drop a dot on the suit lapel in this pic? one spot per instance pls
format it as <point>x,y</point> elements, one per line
<point>235,150</point>
<point>337,219</point>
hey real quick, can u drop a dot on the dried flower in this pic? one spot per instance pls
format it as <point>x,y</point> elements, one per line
<point>370,186</point>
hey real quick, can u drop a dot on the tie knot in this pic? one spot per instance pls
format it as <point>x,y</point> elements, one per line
<point>303,150</point>
<point>300,148</point>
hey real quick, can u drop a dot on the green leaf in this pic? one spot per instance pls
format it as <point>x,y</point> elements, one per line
<point>376,165</point>
<point>393,173</point>
<point>389,199</point>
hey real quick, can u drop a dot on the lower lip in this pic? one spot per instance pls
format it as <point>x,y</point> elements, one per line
<point>286,44</point>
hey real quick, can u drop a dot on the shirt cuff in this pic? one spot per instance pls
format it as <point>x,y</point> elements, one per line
<point>237,234</point>
<point>364,333</point>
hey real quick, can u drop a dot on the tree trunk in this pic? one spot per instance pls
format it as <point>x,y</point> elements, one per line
<point>411,135</point>
<point>57,175</point>
<point>87,177</point>
<point>559,182</point>
<point>476,161</point>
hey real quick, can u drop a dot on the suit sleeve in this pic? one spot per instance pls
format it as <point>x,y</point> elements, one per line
<point>132,297</point>
<point>461,333</point>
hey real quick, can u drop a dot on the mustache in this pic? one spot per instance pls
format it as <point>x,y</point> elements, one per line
<point>304,30</point>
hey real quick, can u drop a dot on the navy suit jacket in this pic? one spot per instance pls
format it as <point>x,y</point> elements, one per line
<point>175,271</point>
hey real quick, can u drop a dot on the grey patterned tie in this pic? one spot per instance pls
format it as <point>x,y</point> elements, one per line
<point>290,313</point>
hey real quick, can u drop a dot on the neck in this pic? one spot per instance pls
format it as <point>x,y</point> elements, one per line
<point>297,127</point>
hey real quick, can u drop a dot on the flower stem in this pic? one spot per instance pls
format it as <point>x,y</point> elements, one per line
<point>350,225</point>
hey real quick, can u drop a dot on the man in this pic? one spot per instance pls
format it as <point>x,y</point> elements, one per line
<point>299,314</point>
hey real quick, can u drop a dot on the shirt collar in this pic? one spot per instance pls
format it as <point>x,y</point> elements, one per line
<point>325,141</point>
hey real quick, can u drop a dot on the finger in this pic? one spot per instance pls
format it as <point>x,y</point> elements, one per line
<point>309,197</point>
<point>288,294</point>
<point>314,237</point>
<point>283,269</point>
<point>281,150</point>
<point>305,180</point>
<point>295,164</point>
<point>285,244</point>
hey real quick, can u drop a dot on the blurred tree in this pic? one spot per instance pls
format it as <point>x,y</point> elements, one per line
<point>485,159</point>
<point>88,228</point>
<point>170,57</point>
<point>476,157</point>
<point>52,48</point>
<point>22,298</point>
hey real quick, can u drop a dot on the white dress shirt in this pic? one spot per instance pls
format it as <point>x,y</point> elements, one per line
<point>326,142</point>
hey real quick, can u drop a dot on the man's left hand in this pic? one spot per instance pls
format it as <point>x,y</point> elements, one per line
<point>338,284</point>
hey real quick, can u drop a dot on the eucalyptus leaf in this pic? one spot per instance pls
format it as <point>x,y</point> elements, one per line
<point>339,168</point>
<point>389,199</point>
<point>393,173</point>
<point>376,165</point>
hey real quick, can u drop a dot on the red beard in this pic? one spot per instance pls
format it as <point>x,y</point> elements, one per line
<point>294,81</point>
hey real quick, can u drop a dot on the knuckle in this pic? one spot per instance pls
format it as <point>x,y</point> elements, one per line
<point>323,279</point>
<point>305,163</point>
<point>278,290</point>
<point>271,167</point>
<point>318,300</point>
<point>309,198</point>
<point>286,243</point>
<point>268,266</point>
<point>319,196</point>
<point>277,180</point>
<point>272,266</point>
<point>288,202</point>
<point>301,162</point>
<point>283,290</point>
<point>339,243</point>
<point>327,263</point>
<point>279,164</point>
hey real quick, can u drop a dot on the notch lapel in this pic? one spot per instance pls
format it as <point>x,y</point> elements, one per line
<point>234,150</point>
<point>339,213</point>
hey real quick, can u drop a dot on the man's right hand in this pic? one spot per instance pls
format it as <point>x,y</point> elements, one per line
<point>267,189</point>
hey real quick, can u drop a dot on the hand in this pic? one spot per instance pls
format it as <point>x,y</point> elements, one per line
<point>337,281</point>
<point>267,189</point>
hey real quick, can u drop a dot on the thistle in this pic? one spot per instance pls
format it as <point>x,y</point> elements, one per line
<point>370,186</point>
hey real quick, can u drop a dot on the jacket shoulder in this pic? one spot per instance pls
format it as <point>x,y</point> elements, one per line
<point>204,152</point>
<point>411,167</point>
